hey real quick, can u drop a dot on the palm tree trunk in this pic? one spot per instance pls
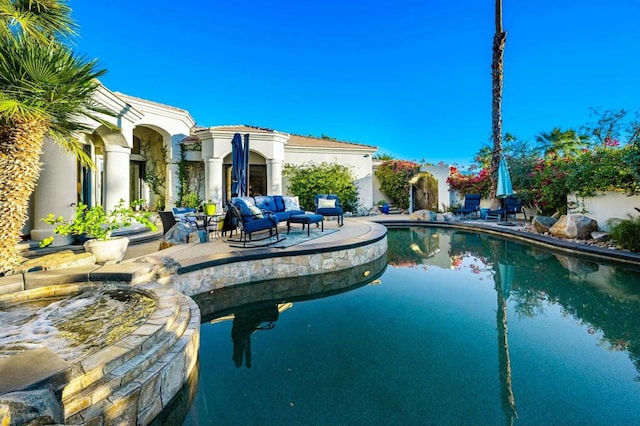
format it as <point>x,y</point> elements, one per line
<point>20,148</point>
<point>499,40</point>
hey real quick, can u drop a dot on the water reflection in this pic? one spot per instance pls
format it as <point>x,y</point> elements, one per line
<point>247,321</point>
<point>601,296</point>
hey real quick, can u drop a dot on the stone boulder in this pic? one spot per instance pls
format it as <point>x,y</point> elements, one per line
<point>574,226</point>
<point>450,217</point>
<point>600,236</point>
<point>423,215</point>
<point>542,224</point>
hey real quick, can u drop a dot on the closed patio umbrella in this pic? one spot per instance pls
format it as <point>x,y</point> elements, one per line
<point>245,173</point>
<point>504,188</point>
<point>237,166</point>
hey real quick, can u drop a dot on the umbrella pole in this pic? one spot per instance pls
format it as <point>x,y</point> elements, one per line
<point>504,208</point>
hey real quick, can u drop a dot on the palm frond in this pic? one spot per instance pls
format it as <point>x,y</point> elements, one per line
<point>42,20</point>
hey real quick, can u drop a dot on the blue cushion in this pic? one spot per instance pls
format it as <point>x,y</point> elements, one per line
<point>268,222</point>
<point>183,210</point>
<point>265,202</point>
<point>336,211</point>
<point>279,202</point>
<point>282,216</point>
<point>245,211</point>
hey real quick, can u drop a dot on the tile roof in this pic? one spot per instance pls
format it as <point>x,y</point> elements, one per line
<point>242,128</point>
<point>147,101</point>
<point>298,140</point>
<point>311,141</point>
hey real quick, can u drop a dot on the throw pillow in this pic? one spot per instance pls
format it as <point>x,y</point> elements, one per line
<point>291,203</point>
<point>324,203</point>
<point>257,213</point>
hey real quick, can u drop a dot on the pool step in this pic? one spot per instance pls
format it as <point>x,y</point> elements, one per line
<point>131,381</point>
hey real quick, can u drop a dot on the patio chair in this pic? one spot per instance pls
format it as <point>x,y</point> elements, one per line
<point>168,220</point>
<point>188,214</point>
<point>329,205</point>
<point>251,220</point>
<point>512,205</point>
<point>471,206</point>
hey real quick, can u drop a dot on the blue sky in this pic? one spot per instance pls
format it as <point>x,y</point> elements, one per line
<point>412,77</point>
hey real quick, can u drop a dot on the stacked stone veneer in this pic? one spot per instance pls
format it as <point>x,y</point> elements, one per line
<point>274,268</point>
<point>132,380</point>
<point>289,289</point>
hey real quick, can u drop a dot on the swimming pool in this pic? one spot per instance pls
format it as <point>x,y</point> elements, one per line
<point>461,328</point>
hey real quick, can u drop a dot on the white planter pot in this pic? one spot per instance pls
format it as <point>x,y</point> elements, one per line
<point>110,250</point>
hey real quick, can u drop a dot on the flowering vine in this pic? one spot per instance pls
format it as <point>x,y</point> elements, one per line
<point>394,177</point>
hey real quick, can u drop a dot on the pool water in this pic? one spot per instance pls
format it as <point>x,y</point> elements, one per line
<point>461,328</point>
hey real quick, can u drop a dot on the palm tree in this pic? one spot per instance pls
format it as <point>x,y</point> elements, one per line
<point>561,144</point>
<point>499,40</point>
<point>45,90</point>
<point>44,20</point>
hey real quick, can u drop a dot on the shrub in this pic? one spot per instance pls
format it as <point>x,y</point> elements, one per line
<point>192,199</point>
<point>310,179</point>
<point>95,222</point>
<point>471,183</point>
<point>626,233</point>
<point>549,185</point>
<point>394,177</point>
<point>605,168</point>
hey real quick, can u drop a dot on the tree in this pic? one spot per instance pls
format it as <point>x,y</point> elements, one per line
<point>42,20</point>
<point>382,157</point>
<point>611,125</point>
<point>497,66</point>
<point>45,91</point>
<point>561,144</point>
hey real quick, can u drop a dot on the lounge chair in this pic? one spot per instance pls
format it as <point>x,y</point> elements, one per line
<point>250,220</point>
<point>512,205</point>
<point>329,205</point>
<point>471,206</point>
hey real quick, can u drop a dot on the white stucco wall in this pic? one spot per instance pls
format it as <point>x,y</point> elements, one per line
<point>605,206</point>
<point>359,162</point>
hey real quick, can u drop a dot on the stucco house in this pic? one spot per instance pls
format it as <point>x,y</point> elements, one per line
<point>142,160</point>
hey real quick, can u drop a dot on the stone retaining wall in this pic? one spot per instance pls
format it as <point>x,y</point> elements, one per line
<point>240,272</point>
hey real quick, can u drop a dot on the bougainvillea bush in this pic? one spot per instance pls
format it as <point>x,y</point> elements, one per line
<point>473,183</point>
<point>605,168</point>
<point>394,177</point>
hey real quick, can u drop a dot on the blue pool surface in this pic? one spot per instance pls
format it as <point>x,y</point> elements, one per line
<point>461,328</point>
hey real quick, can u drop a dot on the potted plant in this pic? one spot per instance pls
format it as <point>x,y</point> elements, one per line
<point>209,208</point>
<point>98,226</point>
<point>383,206</point>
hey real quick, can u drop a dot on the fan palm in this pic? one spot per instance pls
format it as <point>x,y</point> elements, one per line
<point>561,144</point>
<point>43,20</point>
<point>45,90</point>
